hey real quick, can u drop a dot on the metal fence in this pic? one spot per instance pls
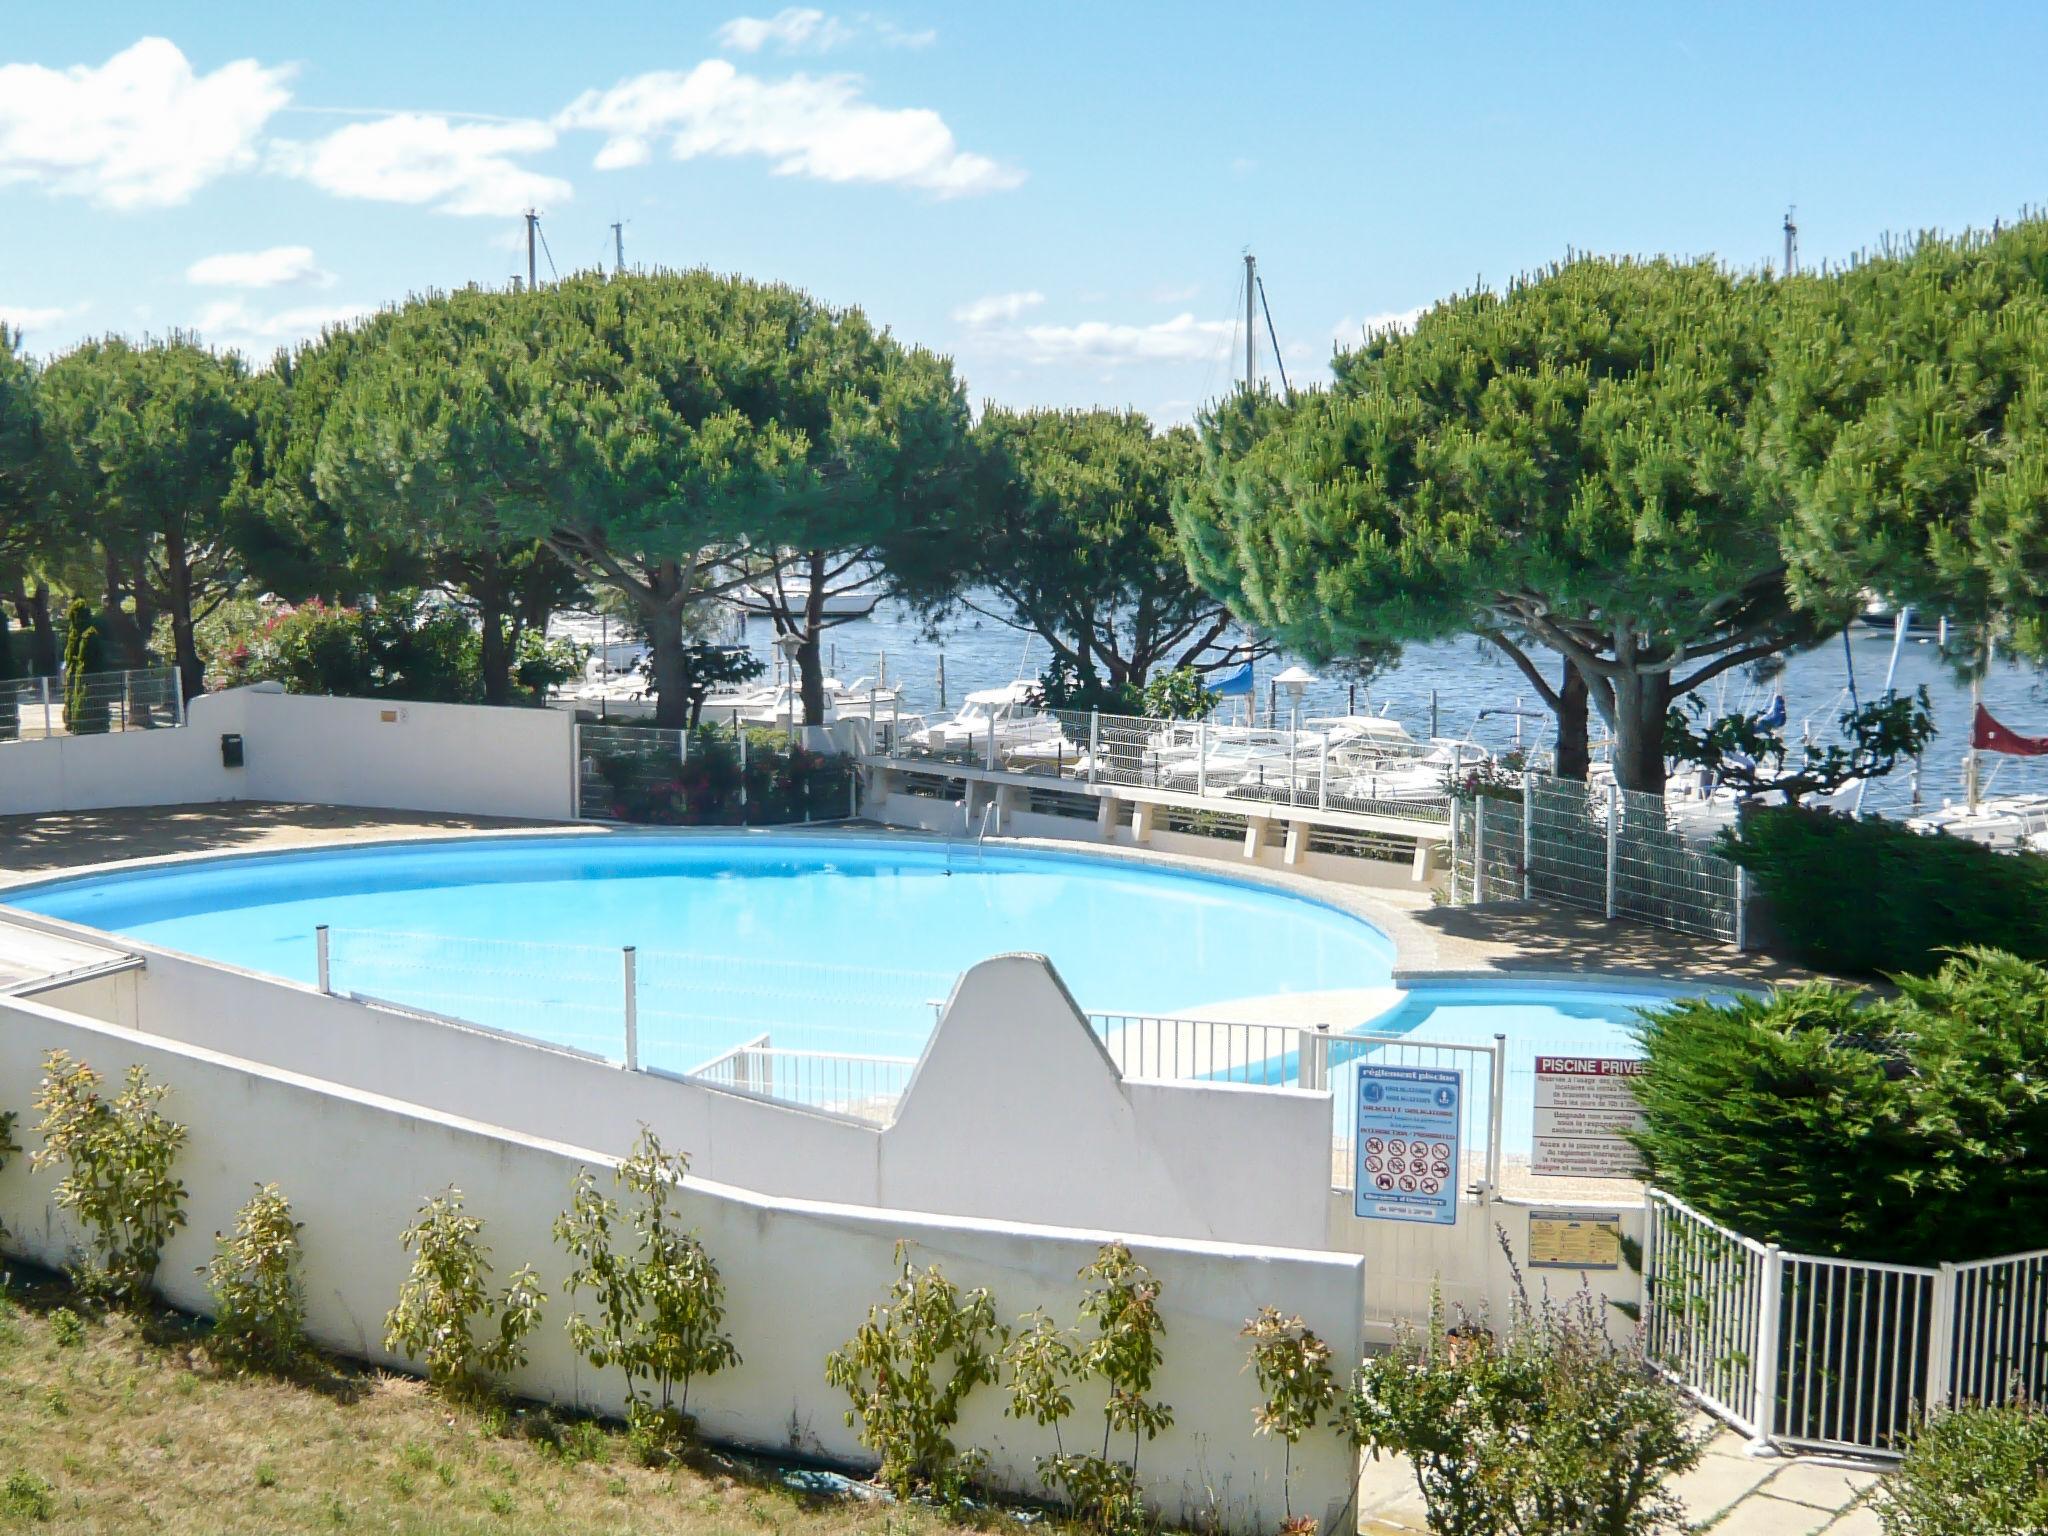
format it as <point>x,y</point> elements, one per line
<point>840,1082</point>
<point>712,776</point>
<point>141,699</point>
<point>1595,846</point>
<point>1835,1354</point>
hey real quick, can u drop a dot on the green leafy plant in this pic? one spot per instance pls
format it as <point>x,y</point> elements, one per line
<point>67,1328</point>
<point>9,1147</point>
<point>1292,1367</point>
<point>259,1309</point>
<point>1976,1471</point>
<point>907,1371</point>
<point>1116,1342</point>
<point>1747,754</point>
<point>660,1304</point>
<point>1869,897</point>
<point>447,1296</point>
<point>24,1496</point>
<point>1550,1429</point>
<point>117,1155</point>
<point>1836,1123</point>
<point>1177,695</point>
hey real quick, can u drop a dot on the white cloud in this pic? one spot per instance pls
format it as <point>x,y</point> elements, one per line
<point>998,306</point>
<point>790,29</point>
<point>232,325</point>
<point>1350,332</point>
<point>21,318</point>
<point>269,268</point>
<point>817,126</point>
<point>805,29</point>
<point>418,157</point>
<point>1166,294</point>
<point>1182,339</point>
<point>139,131</point>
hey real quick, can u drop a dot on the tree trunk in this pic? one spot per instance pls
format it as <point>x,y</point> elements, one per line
<point>184,636</point>
<point>662,611</point>
<point>1640,702</point>
<point>810,671</point>
<point>1574,756</point>
<point>487,586</point>
<point>45,655</point>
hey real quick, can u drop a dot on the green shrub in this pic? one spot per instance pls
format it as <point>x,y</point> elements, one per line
<point>1973,1472</point>
<point>24,1496</point>
<point>86,709</point>
<point>1549,1430</point>
<point>1872,897</point>
<point>646,779</point>
<point>906,1373</point>
<point>117,1155</point>
<point>1912,1129</point>
<point>1292,1366</point>
<point>447,1295</point>
<point>660,1305</point>
<point>259,1310</point>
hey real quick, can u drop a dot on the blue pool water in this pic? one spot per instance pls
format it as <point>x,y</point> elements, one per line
<point>1539,1018</point>
<point>825,944</point>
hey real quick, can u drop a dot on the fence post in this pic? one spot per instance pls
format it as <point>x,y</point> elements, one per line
<point>1323,773</point>
<point>177,697</point>
<point>1201,757</point>
<point>989,757</point>
<point>1478,850</point>
<point>1094,744</point>
<point>1613,802</point>
<point>127,699</point>
<point>1941,1341</point>
<point>1495,1111</point>
<point>743,772</point>
<point>320,959</point>
<point>575,769</point>
<point>1764,1405</point>
<point>1457,816</point>
<point>632,981</point>
<point>1741,909</point>
<point>43,686</point>
<point>942,679</point>
<point>1314,1067</point>
<point>1528,835</point>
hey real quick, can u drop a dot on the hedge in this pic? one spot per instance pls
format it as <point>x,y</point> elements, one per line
<point>1912,1129</point>
<point>1873,897</point>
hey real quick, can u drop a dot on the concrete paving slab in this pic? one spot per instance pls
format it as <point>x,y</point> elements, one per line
<point>1824,1487</point>
<point>1860,1521</point>
<point>1762,1515</point>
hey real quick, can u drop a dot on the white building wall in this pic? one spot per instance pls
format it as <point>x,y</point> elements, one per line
<point>1015,1112</point>
<point>459,758</point>
<point>799,1275</point>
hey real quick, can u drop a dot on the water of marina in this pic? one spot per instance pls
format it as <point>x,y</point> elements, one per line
<point>1475,691</point>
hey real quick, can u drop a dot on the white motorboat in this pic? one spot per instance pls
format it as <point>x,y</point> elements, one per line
<point>847,603</point>
<point>1998,821</point>
<point>782,704</point>
<point>1004,719</point>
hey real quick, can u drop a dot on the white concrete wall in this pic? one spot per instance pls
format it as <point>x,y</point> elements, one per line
<point>460,758</point>
<point>1015,1112</point>
<point>799,1275</point>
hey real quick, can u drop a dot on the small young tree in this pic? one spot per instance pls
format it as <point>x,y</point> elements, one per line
<point>85,708</point>
<point>259,1310</point>
<point>660,1307</point>
<point>907,1371</point>
<point>447,1295</point>
<point>117,1155</point>
<point>1292,1367</point>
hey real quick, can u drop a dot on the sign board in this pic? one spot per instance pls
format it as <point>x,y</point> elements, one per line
<point>1574,1240</point>
<point>1406,1132</point>
<point>1583,1104</point>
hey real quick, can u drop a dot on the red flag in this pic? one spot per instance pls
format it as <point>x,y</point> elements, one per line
<point>1987,735</point>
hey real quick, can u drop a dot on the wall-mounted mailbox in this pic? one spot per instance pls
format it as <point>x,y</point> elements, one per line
<point>231,751</point>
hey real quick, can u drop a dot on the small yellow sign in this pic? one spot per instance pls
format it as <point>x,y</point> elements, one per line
<point>1574,1240</point>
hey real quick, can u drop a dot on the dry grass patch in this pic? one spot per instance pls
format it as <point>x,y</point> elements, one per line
<point>110,1425</point>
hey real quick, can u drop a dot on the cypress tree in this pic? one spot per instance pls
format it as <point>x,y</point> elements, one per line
<point>85,712</point>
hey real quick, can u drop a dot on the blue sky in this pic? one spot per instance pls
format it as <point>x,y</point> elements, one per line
<point>1056,195</point>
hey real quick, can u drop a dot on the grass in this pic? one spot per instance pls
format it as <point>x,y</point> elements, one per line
<point>110,1424</point>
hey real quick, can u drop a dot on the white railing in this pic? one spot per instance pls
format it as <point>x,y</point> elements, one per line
<point>866,1087</point>
<point>1274,1055</point>
<point>1834,1354</point>
<point>141,698</point>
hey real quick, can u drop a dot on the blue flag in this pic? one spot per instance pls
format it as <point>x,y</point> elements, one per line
<point>1234,683</point>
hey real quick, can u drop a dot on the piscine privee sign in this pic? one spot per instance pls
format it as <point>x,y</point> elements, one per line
<point>1583,1104</point>
<point>1406,1136</point>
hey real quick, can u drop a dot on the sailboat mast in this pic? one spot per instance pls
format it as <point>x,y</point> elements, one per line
<point>1251,335</point>
<point>1973,789</point>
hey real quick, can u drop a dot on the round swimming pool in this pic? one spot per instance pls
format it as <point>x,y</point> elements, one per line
<point>837,944</point>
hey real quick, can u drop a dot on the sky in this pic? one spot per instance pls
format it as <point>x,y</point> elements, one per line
<point>1059,197</point>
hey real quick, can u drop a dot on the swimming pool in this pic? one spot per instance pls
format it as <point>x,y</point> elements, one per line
<point>835,944</point>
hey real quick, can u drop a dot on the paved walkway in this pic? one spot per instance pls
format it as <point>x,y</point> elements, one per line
<point>1730,1493</point>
